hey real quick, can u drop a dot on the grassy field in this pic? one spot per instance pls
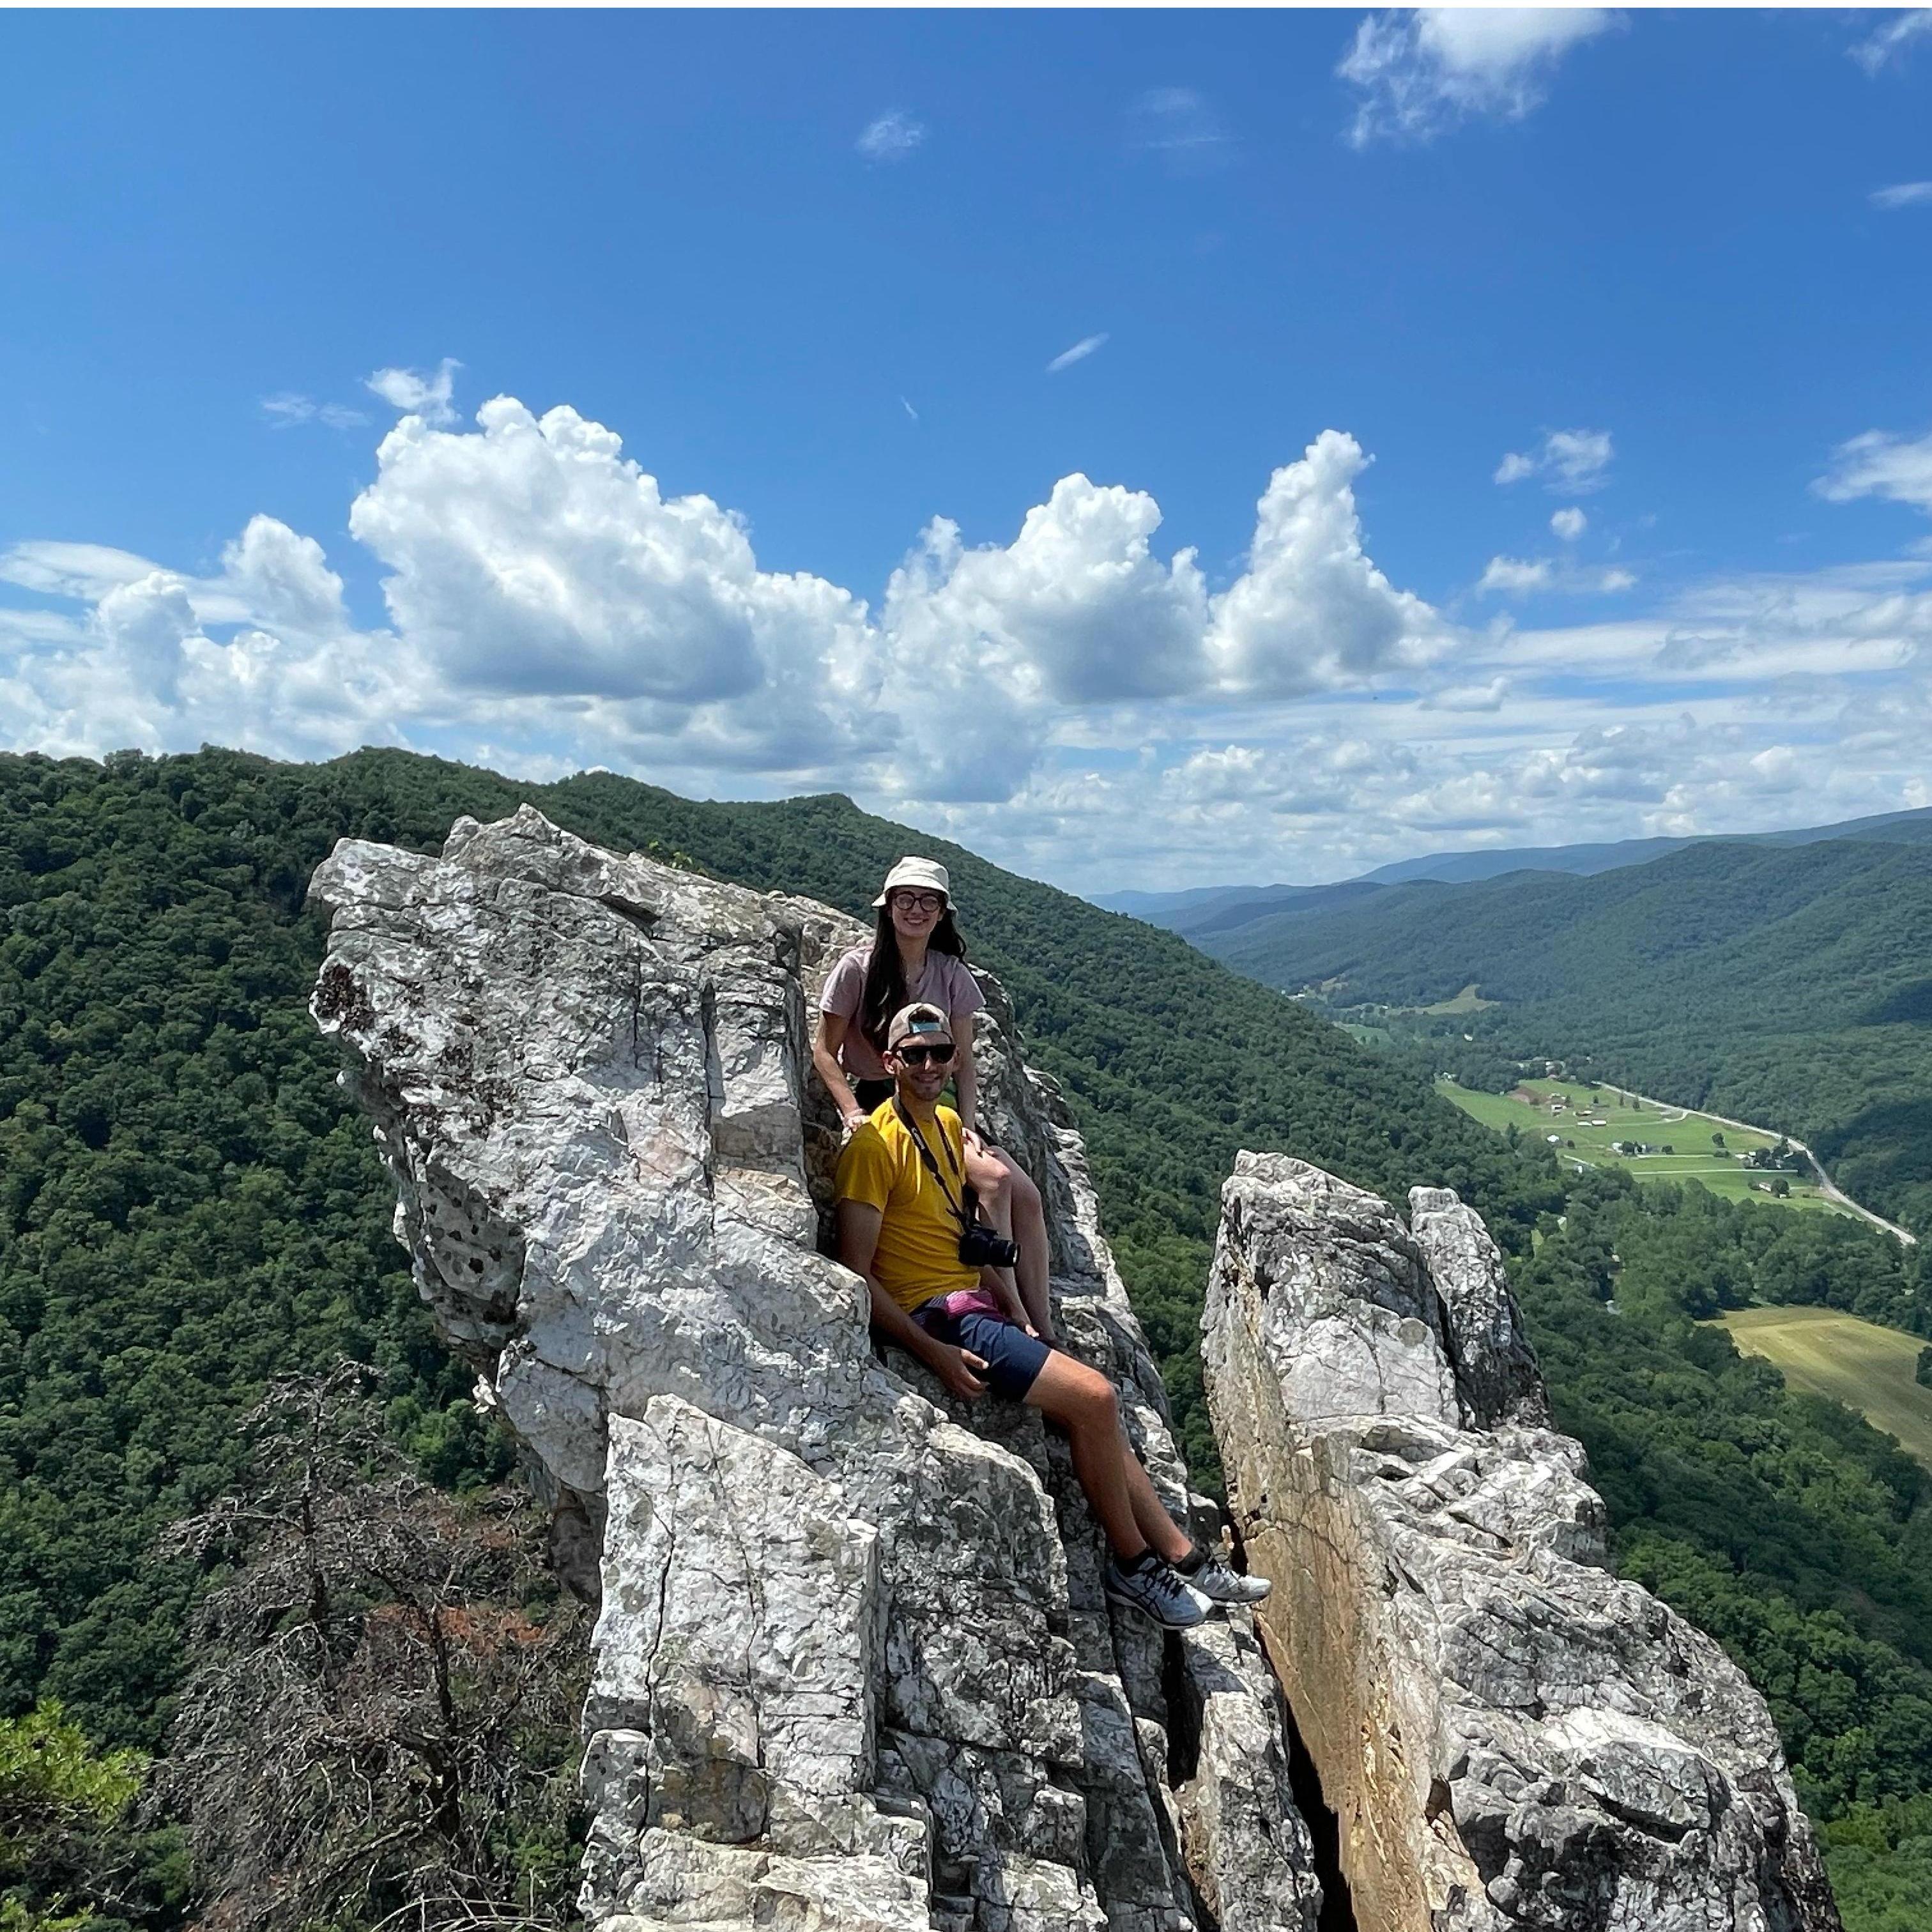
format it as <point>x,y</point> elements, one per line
<point>1585,1130</point>
<point>1467,1001</point>
<point>1866,1367</point>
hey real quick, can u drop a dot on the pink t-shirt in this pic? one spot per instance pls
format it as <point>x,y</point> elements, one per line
<point>943,982</point>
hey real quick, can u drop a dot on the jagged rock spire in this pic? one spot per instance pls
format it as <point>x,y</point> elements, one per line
<point>853,1668</point>
<point>1512,1737</point>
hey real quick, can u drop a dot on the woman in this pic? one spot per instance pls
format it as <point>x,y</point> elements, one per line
<point>916,954</point>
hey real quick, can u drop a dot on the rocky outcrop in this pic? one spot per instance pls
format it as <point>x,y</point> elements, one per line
<point>852,1667</point>
<point>1511,1737</point>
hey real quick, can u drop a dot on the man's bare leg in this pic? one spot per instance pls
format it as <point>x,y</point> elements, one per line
<point>1151,1513</point>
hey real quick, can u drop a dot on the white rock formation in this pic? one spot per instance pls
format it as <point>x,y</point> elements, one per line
<point>852,1667</point>
<point>1511,1737</point>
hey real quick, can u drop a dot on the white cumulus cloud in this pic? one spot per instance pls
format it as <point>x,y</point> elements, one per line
<point>548,605</point>
<point>1878,464</point>
<point>1878,49</point>
<point>1079,615</point>
<point>1311,609</point>
<point>891,137</point>
<point>277,578</point>
<point>146,624</point>
<point>1569,522</point>
<point>1082,698</point>
<point>1573,461</point>
<point>260,654</point>
<point>418,395</point>
<point>1513,574</point>
<point>531,558</point>
<point>1419,72</point>
<point>1077,609</point>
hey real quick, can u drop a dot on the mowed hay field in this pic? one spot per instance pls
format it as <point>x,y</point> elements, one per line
<point>1694,1155</point>
<point>1866,1367</point>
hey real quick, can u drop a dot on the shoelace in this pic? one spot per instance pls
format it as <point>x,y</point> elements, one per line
<point>1168,1586</point>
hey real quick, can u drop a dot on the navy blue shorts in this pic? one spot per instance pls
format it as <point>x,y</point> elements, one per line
<point>1013,1358</point>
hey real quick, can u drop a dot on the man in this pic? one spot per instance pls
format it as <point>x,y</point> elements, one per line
<point>903,1205</point>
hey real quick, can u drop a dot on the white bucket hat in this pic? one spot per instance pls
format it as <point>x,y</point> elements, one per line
<point>925,873</point>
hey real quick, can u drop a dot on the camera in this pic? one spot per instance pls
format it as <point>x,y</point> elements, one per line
<point>979,1246</point>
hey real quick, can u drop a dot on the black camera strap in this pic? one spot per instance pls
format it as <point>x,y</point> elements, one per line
<point>966,1207</point>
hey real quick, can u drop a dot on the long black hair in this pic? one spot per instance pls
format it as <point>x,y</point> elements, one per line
<point>885,990</point>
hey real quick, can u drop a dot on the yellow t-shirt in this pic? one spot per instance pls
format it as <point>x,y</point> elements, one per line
<point>918,1253</point>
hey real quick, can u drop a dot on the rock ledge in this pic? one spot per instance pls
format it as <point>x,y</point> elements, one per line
<point>852,1667</point>
<point>1511,1737</point>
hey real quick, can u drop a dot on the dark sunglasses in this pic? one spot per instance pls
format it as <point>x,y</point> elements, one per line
<point>920,1056</point>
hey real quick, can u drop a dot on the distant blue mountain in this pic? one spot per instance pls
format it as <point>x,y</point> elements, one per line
<point>1156,908</point>
<point>1457,868</point>
<point>1215,909</point>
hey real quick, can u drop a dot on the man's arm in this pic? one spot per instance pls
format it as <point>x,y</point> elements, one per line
<point>858,1223</point>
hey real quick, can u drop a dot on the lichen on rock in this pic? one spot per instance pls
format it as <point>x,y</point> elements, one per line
<point>1512,1737</point>
<point>852,1665</point>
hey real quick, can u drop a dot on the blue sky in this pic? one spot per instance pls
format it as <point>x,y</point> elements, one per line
<point>1237,593</point>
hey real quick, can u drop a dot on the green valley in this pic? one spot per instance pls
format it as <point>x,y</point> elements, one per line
<point>1590,1126</point>
<point>1786,986</point>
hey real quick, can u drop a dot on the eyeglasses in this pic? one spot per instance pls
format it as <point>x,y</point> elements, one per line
<point>920,1056</point>
<point>918,901</point>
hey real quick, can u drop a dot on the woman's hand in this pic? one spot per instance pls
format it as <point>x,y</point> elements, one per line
<point>1013,1308</point>
<point>975,1144</point>
<point>849,1125</point>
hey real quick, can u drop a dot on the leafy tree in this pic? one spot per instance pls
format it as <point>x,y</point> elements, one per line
<point>64,1860</point>
<point>1879,1857</point>
<point>53,1782</point>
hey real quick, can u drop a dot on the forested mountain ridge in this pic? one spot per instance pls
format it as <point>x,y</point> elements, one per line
<point>1787,986</point>
<point>188,1206</point>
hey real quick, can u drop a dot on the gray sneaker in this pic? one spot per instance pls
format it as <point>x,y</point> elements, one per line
<point>1220,1584</point>
<point>1152,1586</point>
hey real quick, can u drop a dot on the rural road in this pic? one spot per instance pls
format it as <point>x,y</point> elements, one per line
<point>1827,1186</point>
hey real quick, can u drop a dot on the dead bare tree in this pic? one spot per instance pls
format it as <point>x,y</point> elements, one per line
<point>379,1725</point>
